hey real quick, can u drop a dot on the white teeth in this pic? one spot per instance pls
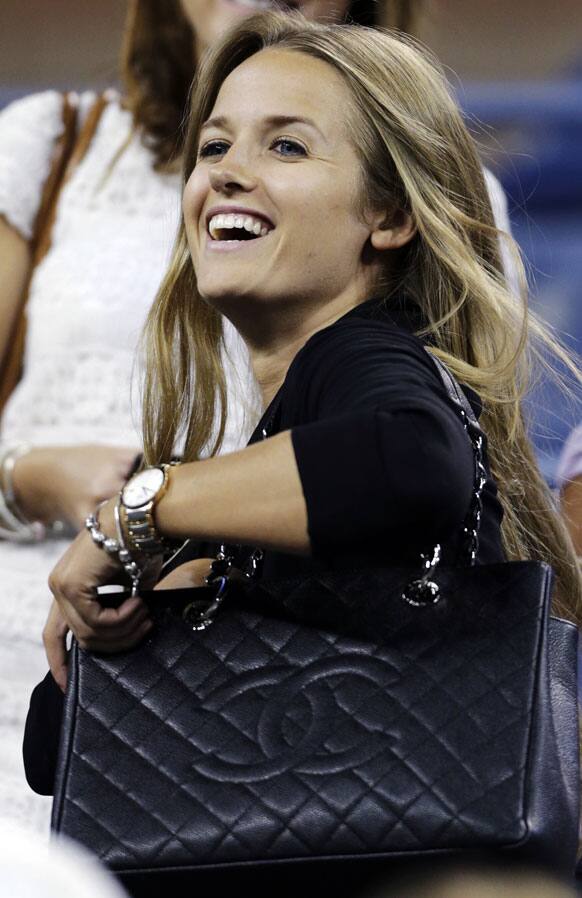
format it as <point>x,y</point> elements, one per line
<point>227,221</point>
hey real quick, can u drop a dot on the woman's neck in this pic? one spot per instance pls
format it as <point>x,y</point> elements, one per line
<point>273,348</point>
<point>270,365</point>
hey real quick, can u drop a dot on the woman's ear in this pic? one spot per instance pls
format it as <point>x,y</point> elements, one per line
<point>394,232</point>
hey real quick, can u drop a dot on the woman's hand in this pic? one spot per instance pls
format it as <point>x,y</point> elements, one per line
<point>74,582</point>
<point>66,483</point>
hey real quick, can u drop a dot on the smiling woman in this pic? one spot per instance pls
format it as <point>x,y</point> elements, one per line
<point>335,210</point>
<point>379,240</point>
<point>376,242</point>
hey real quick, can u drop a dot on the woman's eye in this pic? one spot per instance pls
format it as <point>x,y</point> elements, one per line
<point>287,147</point>
<point>213,148</point>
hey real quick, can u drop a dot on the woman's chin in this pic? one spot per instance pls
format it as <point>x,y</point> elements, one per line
<point>224,296</point>
<point>235,302</point>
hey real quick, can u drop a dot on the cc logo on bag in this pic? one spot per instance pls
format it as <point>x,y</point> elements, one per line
<point>328,717</point>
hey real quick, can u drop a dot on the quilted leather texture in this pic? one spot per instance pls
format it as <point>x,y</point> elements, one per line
<point>325,718</point>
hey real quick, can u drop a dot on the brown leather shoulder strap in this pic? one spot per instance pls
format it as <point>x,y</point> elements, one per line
<point>73,145</point>
<point>87,131</point>
<point>70,149</point>
<point>46,210</point>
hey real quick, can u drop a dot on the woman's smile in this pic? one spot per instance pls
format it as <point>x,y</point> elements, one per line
<point>231,228</point>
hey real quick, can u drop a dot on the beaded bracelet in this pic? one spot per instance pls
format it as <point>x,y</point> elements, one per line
<point>124,554</point>
<point>115,547</point>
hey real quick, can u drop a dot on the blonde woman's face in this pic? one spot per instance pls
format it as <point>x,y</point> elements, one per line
<point>211,18</point>
<point>271,208</point>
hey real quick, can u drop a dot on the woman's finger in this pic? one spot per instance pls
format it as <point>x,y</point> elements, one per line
<point>91,623</point>
<point>86,610</point>
<point>115,644</point>
<point>102,619</point>
<point>55,642</point>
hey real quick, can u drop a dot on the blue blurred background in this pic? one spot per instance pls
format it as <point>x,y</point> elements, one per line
<point>517,70</point>
<point>537,155</point>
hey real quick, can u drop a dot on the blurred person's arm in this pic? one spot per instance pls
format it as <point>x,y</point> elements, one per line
<point>571,502</point>
<point>569,481</point>
<point>15,262</point>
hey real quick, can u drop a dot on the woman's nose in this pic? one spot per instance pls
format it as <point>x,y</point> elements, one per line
<point>228,178</point>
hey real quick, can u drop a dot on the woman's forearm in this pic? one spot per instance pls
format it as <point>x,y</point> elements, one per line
<point>251,497</point>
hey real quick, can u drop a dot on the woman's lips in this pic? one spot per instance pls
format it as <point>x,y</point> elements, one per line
<point>227,246</point>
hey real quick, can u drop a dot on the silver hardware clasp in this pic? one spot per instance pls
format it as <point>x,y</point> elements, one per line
<point>424,591</point>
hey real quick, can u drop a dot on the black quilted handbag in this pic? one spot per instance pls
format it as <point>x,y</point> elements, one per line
<point>365,717</point>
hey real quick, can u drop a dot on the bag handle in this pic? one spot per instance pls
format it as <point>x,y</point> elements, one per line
<point>424,590</point>
<point>476,436</point>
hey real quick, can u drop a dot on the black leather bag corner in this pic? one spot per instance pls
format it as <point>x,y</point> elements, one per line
<point>329,719</point>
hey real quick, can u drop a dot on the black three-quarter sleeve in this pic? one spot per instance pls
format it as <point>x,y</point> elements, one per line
<point>381,452</point>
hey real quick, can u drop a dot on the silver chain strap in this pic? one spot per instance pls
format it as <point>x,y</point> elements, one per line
<point>424,590</point>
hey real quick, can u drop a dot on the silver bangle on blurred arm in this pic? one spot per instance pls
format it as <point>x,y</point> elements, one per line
<point>14,526</point>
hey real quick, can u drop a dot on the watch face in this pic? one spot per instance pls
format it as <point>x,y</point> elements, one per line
<point>142,488</point>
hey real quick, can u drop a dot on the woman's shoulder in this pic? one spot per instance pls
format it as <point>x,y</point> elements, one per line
<point>364,338</point>
<point>34,110</point>
<point>361,361</point>
<point>29,130</point>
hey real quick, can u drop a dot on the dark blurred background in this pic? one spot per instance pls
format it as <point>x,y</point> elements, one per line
<point>517,69</point>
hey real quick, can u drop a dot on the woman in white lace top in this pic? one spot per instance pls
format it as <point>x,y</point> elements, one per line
<point>70,429</point>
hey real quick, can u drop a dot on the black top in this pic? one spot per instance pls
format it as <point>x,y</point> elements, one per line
<point>386,467</point>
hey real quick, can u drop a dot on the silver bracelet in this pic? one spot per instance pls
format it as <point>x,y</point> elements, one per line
<point>13,525</point>
<point>18,527</point>
<point>9,460</point>
<point>114,546</point>
<point>124,555</point>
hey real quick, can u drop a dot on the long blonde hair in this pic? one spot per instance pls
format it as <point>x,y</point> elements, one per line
<point>416,155</point>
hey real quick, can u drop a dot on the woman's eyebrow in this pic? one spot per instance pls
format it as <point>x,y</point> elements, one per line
<point>271,121</point>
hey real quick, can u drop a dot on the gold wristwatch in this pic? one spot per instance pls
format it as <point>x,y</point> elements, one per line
<point>138,499</point>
